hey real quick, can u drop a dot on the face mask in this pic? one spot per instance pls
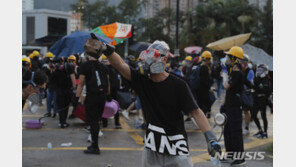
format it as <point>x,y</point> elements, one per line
<point>153,63</point>
<point>260,73</point>
<point>250,65</point>
<point>228,61</point>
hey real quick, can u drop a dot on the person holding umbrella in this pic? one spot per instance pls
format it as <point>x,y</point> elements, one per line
<point>164,99</point>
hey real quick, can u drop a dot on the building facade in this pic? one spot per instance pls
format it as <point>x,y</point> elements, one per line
<point>43,22</point>
<point>27,5</point>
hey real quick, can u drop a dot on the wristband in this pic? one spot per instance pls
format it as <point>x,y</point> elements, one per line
<point>109,50</point>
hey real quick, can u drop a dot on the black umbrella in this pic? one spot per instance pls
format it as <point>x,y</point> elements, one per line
<point>139,46</point>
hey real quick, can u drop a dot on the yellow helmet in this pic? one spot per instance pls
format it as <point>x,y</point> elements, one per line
<point>103,57</point>
<point>72,57</point>
<point>31,56</point>
<point>49,54</point>
<point>189,58</point>
<point>206,54</point>
<point>35,53</point>
<point>236,51</point>
<point>168,64</point>
<point>27,59</point>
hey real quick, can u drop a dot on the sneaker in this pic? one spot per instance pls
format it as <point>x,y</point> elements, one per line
<point>92,150</point>
<point>238,163</point>
<point>100,134</point>
<point>118,126</point>
<point>87,129</point>
<point>245,132</point>
<point>54,115</point>
<point>258,134</point>
<point>64,125</point>
<point>125,114</point>
<point>72,116</point>
<point>89,138</point>
<point>47,114</point>
<point>263,135</point>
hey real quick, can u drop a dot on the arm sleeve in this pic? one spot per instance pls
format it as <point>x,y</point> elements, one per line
<point>135,79</point>
<point>188,103</point>
<point>82,69</point>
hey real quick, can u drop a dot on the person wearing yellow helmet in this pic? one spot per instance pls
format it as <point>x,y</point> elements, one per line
<point>233,137</point>
<point>49,55</point>
<point>206,81</point>
<point>187,69</point>
<point>36,63</point>
<point>26,63</point>
<point>31,56</point>
<point>72,59</point>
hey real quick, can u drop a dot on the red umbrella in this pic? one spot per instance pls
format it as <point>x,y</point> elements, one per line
<point>193,49</point>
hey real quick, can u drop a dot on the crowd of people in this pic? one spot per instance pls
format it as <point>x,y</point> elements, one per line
<point>165,91</point>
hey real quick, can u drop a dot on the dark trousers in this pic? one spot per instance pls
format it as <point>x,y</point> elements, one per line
<point>94,107</point>
<point>262,108</point>
<point>116,116</point>
<point>64,97</point>
<point>233,137</point>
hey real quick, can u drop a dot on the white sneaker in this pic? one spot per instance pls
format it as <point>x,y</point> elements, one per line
<point>100,134</point>
<point>89,138</point>
<point>245,132</point>
<point>125,114</point>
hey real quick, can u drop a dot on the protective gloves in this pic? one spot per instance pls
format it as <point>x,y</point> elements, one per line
<point>213,145</point>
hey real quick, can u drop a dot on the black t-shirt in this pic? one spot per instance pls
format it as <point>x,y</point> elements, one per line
<point>62,76</point>
<point>95,76</point>
<point>163,104</point>
<point>235,90</point>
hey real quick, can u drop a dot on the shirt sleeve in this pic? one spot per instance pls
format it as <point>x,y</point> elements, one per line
<point>82,69</point>
<point>250,76</point>
<point>188,103</point>
<point>135,79</point>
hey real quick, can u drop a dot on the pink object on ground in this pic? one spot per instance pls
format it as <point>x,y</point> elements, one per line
<point>111,108</point>
<point>33,124</point>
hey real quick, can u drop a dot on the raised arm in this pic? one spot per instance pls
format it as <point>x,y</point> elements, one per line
<point>117,62</point>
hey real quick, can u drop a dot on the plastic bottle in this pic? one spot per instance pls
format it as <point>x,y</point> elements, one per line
<point>49,145</point>
<point>215,162</point>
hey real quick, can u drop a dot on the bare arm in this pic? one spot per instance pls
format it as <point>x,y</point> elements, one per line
<point>72,76</point>
<point>201,120</point>
<point>80,85</point>
<point>117,62</point>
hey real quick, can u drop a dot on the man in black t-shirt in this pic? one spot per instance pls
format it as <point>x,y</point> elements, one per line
<point>95,76</point>
<point>163,97</point>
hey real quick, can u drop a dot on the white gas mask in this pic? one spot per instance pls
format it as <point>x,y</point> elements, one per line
<point>153,58</point>
<point>262,71</point>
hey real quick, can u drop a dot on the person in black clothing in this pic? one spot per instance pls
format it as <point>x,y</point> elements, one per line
<point>114,87</point>
<point>51,99</point>
<point>263,90</point>
<point>95,76</point>
<point>233,136</point>
<point>206,81</point>
<point>187,68</point>
<point>164,97</point>
<point>65,85</point>
<point>36,63</point>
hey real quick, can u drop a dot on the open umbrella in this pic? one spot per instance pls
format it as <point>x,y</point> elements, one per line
<point>258,56</point>
<point>139,46</point>
<point>227,43</point>
<point>193,49</point>
<point>73,43</point>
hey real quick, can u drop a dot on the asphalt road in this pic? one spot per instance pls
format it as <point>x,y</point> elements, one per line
<point>119,148</point>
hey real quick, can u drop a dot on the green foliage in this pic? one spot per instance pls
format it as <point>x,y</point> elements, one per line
<point>210,21</point>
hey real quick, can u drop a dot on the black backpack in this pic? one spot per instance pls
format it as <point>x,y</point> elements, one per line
<point>194,79</point>
<point>98,80</point>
